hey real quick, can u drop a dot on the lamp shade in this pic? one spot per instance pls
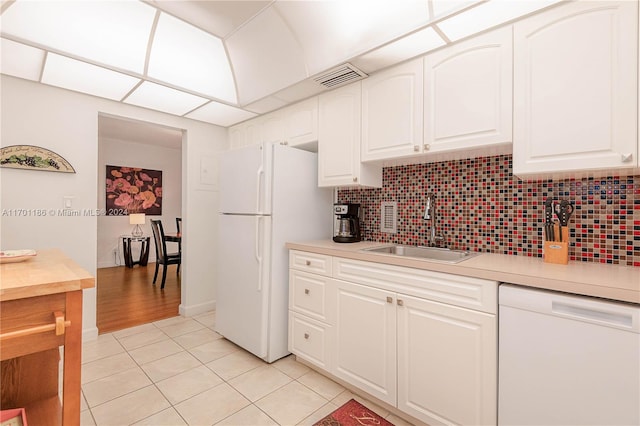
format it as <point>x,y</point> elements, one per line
<point>136,219</point>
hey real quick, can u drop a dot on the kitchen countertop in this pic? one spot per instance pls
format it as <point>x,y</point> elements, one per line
<point>584,278</point>
<point>49,272</point>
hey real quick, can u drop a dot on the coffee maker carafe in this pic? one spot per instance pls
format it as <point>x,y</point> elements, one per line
<point>346,226</point>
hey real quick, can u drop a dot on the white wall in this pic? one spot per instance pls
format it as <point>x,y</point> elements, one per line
<point>67,123</point>
<point>110,228</point>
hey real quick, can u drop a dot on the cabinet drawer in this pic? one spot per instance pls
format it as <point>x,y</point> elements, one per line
<point>22,322</point>
<point>310,262</point>
<point>457,290</point>
<point>310,294</point>
<point>310,340</point>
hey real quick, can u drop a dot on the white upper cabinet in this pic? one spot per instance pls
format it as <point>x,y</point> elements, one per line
<point>392,112</point>
<point>301,123</point>
<point>575,89</point>
<point>468,93</point>
<point>295,125</point>
<point>246,133</point>
<point>339,140</point>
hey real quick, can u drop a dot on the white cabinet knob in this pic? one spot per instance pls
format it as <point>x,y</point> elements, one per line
<point>627,157</point>
<point>400,302</point>
<point>427,147</point>
<point>416,148</point>
<point>355,178</point>
<point>389,299</point>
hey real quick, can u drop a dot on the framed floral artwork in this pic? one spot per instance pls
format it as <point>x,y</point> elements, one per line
<point>133,190</point>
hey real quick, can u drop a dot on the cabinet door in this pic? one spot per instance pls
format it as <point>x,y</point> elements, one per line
<point>575,88</point>
<point>447,365</point>
<point>339,140</point>
<point>272,127</point>
<point>339,136</point>
<point>302,123</point>
<point>392,112</point>
<point>468,93</point>
<point>365,339</point>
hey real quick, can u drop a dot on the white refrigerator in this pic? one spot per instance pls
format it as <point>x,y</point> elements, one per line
<point>269,195</point>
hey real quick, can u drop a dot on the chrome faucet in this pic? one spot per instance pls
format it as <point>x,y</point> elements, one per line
<point>430,214</point>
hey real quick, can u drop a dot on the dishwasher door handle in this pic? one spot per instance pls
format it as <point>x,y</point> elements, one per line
<point>604,317</point>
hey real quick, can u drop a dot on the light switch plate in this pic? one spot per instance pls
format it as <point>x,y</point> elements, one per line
<point>68,201</point>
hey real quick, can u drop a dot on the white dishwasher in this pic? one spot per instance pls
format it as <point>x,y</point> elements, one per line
<point>567,360</point>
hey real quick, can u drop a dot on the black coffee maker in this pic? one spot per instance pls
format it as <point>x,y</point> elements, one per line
<point>346,226</point>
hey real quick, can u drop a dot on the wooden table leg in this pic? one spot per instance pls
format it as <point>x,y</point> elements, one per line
<point>72,359</point>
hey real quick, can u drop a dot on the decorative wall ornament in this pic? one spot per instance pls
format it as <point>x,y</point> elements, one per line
<point>133,190</point>
<point>31,157</point>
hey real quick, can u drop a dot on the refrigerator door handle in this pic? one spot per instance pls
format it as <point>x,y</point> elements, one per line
<point>259,191</point>
<point>258,255</point>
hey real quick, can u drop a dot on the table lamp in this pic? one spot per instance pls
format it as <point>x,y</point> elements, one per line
<point>136,219</point>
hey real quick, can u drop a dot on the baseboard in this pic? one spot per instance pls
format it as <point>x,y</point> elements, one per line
<point>192,310</point>
<point>89,334</point>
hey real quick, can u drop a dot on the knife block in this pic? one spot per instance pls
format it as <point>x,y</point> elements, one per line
<point>557,251</point>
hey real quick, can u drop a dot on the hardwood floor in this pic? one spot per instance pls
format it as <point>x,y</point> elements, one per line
<point>126,297</point>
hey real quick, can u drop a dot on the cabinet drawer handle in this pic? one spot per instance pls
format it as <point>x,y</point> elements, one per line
<point>400,302</point>
<point>355,178</point>
<point>58,326</point>
<point>416,148</point>
<point>389,299</point>
<point>306,335</point>
<point>427,147</point>
<point>308,263</point>
<point>306,291</point>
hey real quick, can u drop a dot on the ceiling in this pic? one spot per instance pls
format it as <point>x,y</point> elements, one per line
<point>223,62</point>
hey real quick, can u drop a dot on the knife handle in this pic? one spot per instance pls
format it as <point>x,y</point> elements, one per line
<point>565,234</point>
<point>556,232</point>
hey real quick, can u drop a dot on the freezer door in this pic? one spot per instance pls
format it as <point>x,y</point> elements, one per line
<point>245,180</point>
<point>243,281</point>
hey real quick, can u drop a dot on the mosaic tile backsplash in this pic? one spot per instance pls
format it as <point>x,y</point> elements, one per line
<point>482,207</point>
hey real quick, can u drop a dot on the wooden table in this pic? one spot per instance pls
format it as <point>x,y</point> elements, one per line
<point>128,256</point>
<point>41,310</point>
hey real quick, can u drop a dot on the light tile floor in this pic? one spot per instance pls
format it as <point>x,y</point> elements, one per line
<point>179,371</point>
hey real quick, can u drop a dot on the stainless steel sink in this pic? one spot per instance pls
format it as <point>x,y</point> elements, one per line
<point>426,253</point>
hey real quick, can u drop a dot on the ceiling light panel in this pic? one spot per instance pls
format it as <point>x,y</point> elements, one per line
<point>20,60</point>
<point>408,47</point>
<point>332,32</point>
<point>220,114</point>
<point>161,98</point>
<point>114,33</point>
<point>188,57</point>
<point>86,78</point>
<point>488,15</point>
<point>266,56</point>
<point>219,18</point>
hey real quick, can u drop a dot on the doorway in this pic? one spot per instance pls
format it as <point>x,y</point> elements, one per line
<point>126,296</point>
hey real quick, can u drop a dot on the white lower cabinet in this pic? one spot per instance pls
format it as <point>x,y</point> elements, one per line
<point>365,339</point>
<point>447,363</point>
<point>424,342</point>
<point>311,308</point>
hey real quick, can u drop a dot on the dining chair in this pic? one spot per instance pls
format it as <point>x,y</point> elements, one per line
<point>179,228</point>
<point>162,257</point>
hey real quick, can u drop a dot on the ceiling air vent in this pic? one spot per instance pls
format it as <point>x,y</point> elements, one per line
<point>338,76</point>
